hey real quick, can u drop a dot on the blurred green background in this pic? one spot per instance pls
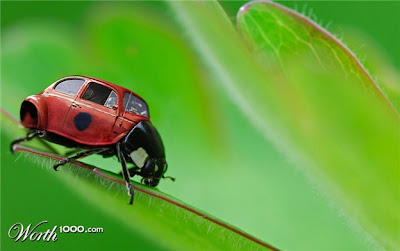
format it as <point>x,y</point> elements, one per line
<point>221,163</point>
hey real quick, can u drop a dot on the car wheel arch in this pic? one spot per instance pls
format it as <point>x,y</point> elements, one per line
<point>33,112</point>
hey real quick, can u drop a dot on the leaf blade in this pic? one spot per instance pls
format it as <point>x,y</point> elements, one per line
<point>184,224</point>
<point>285,106</point>
<point>299,33</point>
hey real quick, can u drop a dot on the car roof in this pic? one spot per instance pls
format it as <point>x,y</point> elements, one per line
<point>119,89</point>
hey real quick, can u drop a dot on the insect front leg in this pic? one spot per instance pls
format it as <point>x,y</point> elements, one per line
<point>134,171</point>
<point>125,173</point>
<point>30,135</point>
<point>79,156</point>
<point>168,177</point>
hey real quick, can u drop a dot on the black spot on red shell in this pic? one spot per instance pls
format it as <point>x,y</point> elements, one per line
<point>82,120</point>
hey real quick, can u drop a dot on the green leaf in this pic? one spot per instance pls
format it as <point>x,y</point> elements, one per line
<point>153,222</point>
<point>377,63</point>
<point>220,160</point>
<point>312,98</point>
<point>278,32</point>
<point>163,219</point>
<point>221,163</point>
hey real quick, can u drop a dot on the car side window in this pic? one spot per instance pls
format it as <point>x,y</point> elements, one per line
<point>100,94</point>
<point>69,86</point>
<point>111,100</point>
<point>135,105</point>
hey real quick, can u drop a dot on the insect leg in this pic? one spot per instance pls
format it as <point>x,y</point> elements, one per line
<point>30,135</point>
<point>134,171</point>
<point>79,156</point>
<point>125,173</point>
<point>168,177</point>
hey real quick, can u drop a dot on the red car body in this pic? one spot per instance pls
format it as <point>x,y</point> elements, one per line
<point>77,109</point>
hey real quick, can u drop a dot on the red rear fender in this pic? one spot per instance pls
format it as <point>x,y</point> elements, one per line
<point>33,112</point>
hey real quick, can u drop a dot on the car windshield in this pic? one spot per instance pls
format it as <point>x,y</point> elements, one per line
<point>135,105</point>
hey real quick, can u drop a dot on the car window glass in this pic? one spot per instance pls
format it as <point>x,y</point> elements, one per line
<point>111,100</point>
<point>135,105</point>
<point>69,86</point>
<point>97,93</point>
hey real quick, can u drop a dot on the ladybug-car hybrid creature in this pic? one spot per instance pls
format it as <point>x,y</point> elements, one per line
<point>101,117</point>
